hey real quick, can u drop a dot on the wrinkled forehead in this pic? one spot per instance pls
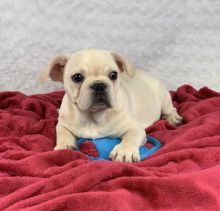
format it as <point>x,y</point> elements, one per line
<point>92,60</point>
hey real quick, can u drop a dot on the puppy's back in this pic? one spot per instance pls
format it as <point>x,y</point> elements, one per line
<point>145,94</point>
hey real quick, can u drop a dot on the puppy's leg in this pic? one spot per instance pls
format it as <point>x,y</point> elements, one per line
<point>128,150</point>
<point>65,139</point>
<point>169,112</point>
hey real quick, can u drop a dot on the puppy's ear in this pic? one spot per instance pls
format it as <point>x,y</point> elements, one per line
<point>124,65</point>
<point>54,69</point>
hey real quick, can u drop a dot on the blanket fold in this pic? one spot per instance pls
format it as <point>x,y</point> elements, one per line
<point>182,175</point>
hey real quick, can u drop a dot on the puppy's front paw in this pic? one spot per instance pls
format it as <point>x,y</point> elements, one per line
<point>174,118</point>
<point>65,145</point>
<point>125,153</point>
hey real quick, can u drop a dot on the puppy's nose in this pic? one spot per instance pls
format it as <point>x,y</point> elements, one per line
<point>98,87</point>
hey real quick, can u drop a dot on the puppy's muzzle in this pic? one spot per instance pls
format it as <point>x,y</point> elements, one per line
<point>99,88</point>
<point>100,96</point>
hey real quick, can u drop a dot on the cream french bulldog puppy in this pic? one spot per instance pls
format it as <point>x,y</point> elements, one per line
<point>106,96</point>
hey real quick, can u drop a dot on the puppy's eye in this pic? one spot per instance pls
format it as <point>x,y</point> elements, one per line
<point>77,78</point>
<point>113,75</point>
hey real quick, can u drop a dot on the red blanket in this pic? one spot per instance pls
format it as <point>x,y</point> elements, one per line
<point>183,175</point>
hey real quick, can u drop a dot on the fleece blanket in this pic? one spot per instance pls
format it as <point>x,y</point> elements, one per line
<point>183,175</point>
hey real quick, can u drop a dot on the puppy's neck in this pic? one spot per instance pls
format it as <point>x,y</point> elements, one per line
<point>98,117</point>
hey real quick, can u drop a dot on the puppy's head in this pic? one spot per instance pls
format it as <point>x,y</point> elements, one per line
<point>91,77</point>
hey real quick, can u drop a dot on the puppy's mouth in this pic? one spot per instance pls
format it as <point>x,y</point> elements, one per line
<point>99,103</point>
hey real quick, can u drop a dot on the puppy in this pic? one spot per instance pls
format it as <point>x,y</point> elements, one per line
<point>106,96</point>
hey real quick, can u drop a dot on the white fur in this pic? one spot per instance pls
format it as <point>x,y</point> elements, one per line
<point>176,40</point>
<point>137,98</point>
